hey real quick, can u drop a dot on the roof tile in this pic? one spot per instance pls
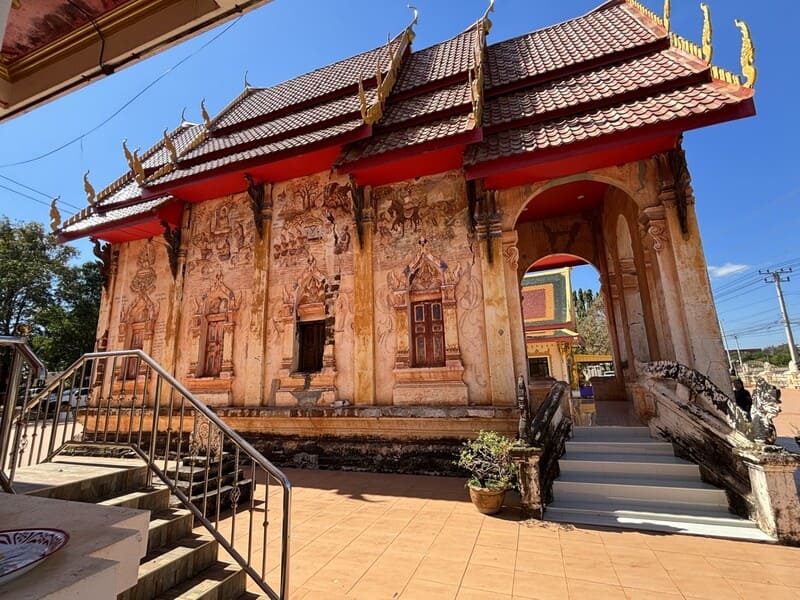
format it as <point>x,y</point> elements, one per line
<point>669,106</point>
<point>602,32</point>
<point>427,104</point>
<point>438,62</point>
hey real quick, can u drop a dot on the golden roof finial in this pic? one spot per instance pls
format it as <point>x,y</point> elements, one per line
<point>748,57</point>
<point>128,155</point>
<point>708,50</point>
<point>90,195</point>
<point>204,112</point>
<point>173,153</point>
<point>183,117</point>
<point>247,85</point>
<point>136,166</point>
<point>667,11</point>
<point>415,20</point>
<point>55,216</point>
<point>362,100</point>
<point>487,23</point>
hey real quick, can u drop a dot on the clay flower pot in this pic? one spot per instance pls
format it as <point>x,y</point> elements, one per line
<point>488,502</point>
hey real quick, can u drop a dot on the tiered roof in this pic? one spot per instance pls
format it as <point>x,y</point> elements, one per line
<point>605,88</point>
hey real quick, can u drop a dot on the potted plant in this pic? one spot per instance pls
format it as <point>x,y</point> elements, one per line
<point>487,458</point>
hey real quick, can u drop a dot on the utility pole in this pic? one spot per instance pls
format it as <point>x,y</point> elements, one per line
<point>727,350</point>
<point>776,279</point>
<point>738,350</point>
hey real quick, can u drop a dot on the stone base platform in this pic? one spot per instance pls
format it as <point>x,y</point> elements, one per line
<point>396,439</point>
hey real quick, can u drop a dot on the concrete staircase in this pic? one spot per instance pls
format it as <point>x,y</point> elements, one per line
<point>621,477</point>
<point>178,564</point>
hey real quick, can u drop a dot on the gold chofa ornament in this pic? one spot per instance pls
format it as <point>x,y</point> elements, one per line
<point>55,216</point>
<point>748,57</point>
<point>708,50</point>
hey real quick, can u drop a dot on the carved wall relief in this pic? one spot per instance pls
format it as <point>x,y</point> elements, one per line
<point>221,235</point>
<point>212,329</point>
<point>138,319</point>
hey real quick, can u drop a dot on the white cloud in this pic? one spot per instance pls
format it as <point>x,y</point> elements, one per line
<point>726,269</point>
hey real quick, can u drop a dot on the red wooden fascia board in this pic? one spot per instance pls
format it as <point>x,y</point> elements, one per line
<point>664,86</point>
<point>745,108</point>
<point>254,143</point>
<point>364,131</point>
<point>418,165</point>
<point>467,137</point>
<point>127,222</point>
<point>656,45</point>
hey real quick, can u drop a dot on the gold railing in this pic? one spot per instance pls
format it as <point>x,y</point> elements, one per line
<point>126,400</point>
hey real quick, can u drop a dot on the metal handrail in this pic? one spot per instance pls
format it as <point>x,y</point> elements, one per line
<point>129,391</point>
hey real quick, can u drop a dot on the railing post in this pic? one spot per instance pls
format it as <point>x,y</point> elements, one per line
<point>10,407</point>
<point>154,429</point>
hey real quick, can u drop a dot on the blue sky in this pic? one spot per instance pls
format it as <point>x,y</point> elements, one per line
<point>745,173</point>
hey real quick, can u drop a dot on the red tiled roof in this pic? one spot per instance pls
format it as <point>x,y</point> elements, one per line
<point>438,62</point>
<point>590,87</point>
<point>639,113</point>
<point>157,155</point>
<point>605,31</point>
<point>262,151</point>
<point>427,104</point>
<point>280,127</point>
<point>260,102</point>
<point>404,138</point>
<point>95,220</point>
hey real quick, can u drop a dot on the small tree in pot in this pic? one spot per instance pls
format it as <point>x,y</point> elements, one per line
<point>487,458</point>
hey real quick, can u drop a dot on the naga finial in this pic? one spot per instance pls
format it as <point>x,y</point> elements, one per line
<point>415,20</point>
<point>748,57</point>
<point>138,169</point>
<point>89,189</point>
<point>247,85</point>
<point>55,216</point>
<point>128,155</point>
<point>204,112</point>
<point>487,23</point>
<point>708,50</point>
<point>667,12</point>
<point>183,117</point>
<point>170,146</point>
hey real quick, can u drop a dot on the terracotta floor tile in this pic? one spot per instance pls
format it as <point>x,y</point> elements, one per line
<point>488,579</point>
<point>538,543</point>
<point>624,538</point>
<point>586,570</point>
<point>539,586</point>
<point>650,578</point>
<point>419,589</point>
<point>535,562</point>
<point>493,556</point>
<point>637,594</point>
<point>776,555</point>
<point>780,575</point>
<point>736,569</point>
<point>690,563</point>
<point>440,570</point>
<point>469,594</point>
<point>587,590</point>
<point>632,556</point>
<point>506,539</point>
<point>453,550</point>
<point>706,587</point>
<point>337,576</point>
<point>749,589</point>
<point>584,550</point>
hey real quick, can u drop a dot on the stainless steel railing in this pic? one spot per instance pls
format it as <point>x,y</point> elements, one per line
<point>124,399</point>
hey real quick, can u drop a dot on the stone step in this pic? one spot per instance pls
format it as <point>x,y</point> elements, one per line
<point>152,499</point>
<point>610,434</point>
<point>82,479</point>
<point>220,581</point>
<point>163,569</point>
<point>213,482</point>
<point>168,525</point>
<point>662,466</point>
<point>623,447</point>
<point>223,495</point>
<point>657,517</point>
<point>615,491</point>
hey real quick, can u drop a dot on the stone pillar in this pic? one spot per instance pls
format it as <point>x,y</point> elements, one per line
<point>452,348</point>
<point>700,314</point>
<point>775,494</point>
<point>172,333</point>
<point>255,362</point>
<point>495,306</point>
<point>514,304</point>
<point>654,221</point>
<point>364,303</point>
<point>400,307</point>
<point>527,461</point>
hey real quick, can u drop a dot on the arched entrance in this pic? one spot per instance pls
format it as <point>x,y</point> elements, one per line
<point>595,222</point>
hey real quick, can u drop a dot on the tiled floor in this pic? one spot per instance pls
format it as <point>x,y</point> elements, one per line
<point>375,536</point>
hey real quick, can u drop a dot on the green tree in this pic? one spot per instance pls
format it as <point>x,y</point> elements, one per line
<point>593,326</point>
<point>65,330</point>
<point>31,263</point>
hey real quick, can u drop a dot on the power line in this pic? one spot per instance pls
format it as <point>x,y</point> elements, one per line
<point>126,104</point>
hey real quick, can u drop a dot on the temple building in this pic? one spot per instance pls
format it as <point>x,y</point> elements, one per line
<point>340,257</point>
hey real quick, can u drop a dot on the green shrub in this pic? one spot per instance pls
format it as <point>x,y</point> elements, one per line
<point>488,460</point>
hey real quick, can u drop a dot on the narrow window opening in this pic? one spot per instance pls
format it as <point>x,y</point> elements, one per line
<point>311,336</point>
